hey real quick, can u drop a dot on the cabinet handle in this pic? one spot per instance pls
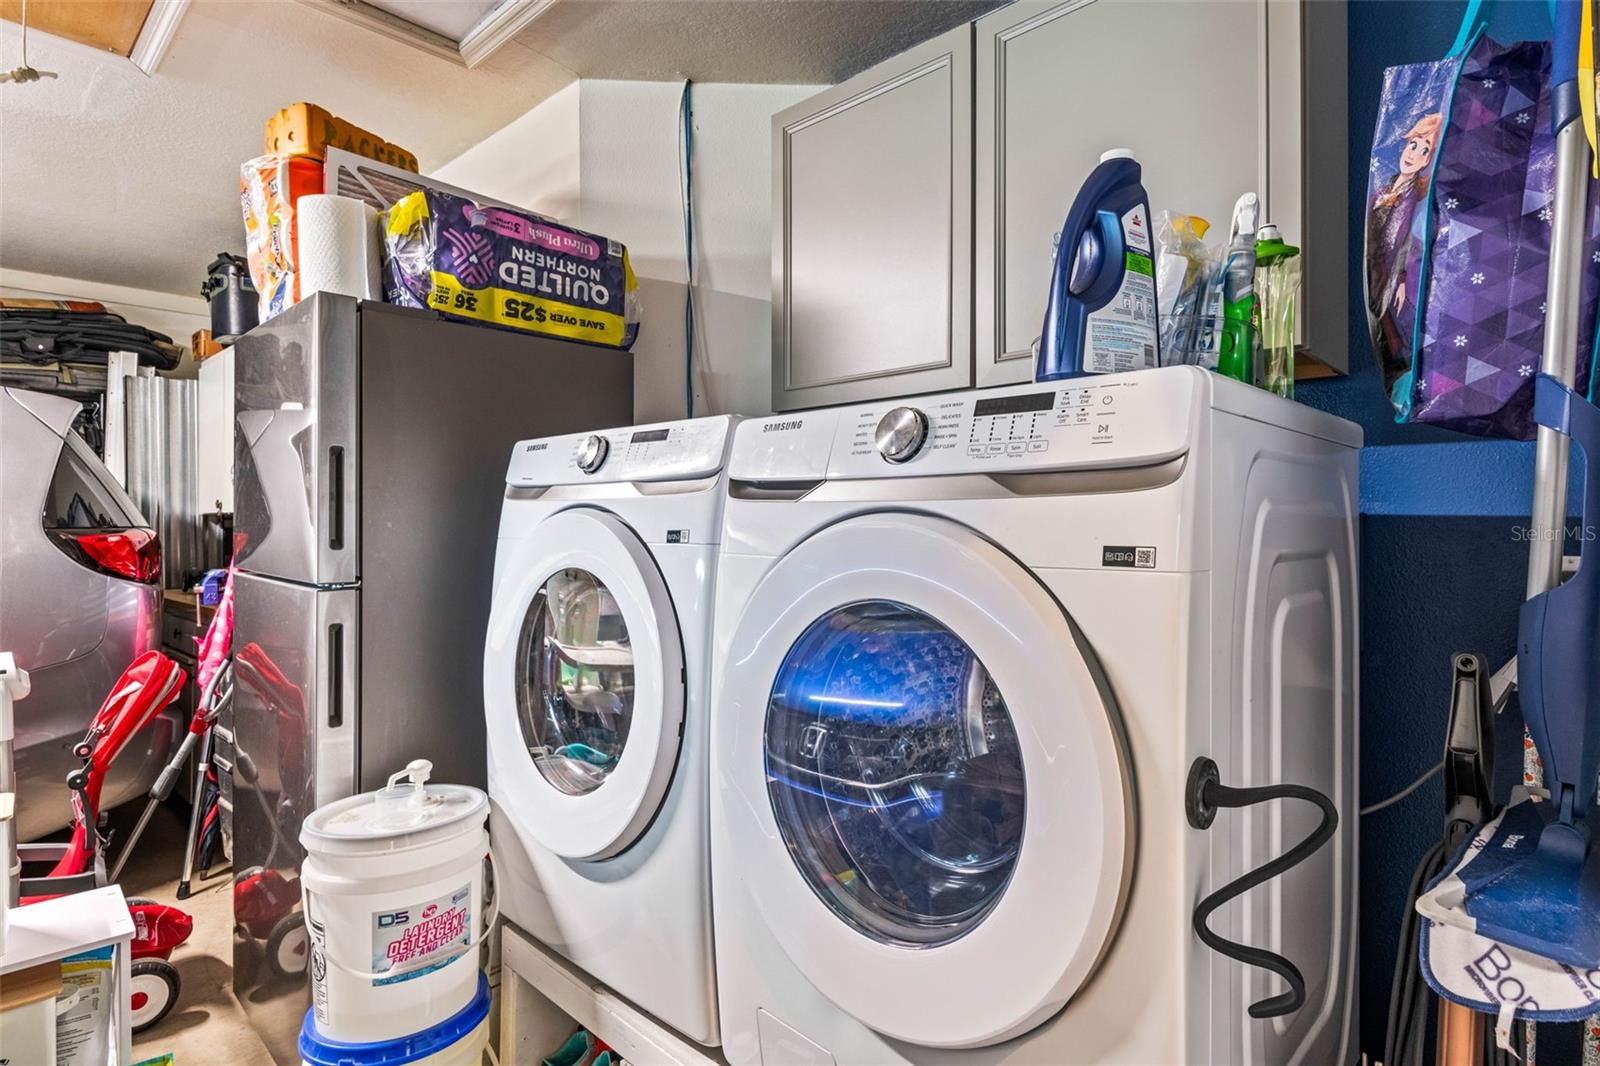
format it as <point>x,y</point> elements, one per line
<point>336,497</point>
<point>335,675</point>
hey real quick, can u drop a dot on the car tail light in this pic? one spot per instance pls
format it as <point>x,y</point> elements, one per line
<point>132,554</point>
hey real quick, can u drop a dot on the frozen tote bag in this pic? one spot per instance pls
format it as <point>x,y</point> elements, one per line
<point>1458,236</point>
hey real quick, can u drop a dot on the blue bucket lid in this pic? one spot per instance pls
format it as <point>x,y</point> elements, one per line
<point>320,1051</point>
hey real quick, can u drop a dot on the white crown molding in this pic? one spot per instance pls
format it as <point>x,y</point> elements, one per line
<point>391,26</point>
<point>155,36</point>
<point>481,42</point>
<point>498,27</point>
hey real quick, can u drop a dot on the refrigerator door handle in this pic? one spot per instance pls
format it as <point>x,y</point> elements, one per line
<point>336,721</point>
<point>335,675</point>
<point>336,497</point>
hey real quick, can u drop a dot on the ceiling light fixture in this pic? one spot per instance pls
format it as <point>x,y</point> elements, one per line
<point>25,73</point>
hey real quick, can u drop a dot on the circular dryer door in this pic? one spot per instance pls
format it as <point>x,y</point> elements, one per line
<point>583,682</point>
<point>933,809</point>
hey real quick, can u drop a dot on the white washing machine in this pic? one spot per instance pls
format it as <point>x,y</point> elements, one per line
<point>596,692</point>
<point>970,649</point>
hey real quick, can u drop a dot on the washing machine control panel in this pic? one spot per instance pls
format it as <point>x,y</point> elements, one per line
<point>665,451</point>
<point>1119,420</point>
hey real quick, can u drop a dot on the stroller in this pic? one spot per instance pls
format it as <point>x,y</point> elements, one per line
<point>151,683</point>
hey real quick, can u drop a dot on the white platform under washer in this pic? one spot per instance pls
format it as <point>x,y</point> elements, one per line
<point>968,648</point>
<point>596,693</point>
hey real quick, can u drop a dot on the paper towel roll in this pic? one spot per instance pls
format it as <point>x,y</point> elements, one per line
<point>338,247</point>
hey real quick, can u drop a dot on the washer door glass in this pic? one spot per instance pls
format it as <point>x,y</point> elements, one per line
<point>893,769</point>
<point>575,681</point>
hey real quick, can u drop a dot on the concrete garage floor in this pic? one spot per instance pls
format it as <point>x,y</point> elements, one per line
<point>207,1027</point>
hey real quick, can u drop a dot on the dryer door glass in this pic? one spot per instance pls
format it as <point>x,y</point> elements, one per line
<point>574,681</point>
<point>893,768</point>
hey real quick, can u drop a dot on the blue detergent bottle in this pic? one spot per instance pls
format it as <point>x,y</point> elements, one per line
<point>1101,313</point>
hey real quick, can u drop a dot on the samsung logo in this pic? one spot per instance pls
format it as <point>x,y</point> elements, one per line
<point>541,446</point>
<point>781,427</point>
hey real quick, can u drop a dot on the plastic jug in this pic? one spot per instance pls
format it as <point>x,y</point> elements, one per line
<point>1101,313</point>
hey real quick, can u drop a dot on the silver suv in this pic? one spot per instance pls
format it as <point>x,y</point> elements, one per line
<point>80,597</point>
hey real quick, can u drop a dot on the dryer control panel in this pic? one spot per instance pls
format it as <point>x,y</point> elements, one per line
<point>665,451</point>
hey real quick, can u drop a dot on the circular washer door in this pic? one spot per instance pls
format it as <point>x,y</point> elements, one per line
<point>934,809</point>
<point>583,682</point>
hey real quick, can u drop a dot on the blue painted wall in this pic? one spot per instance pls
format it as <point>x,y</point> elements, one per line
<point>1442,567</point>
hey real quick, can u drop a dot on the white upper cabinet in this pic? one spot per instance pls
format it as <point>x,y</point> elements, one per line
<point>1209,97</point>
<point>872,232</point>
<point>916,205</point>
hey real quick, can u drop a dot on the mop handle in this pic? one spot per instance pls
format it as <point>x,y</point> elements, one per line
<point>1559,359</point>
<point>1563,302</point>
<point>1565,106</point>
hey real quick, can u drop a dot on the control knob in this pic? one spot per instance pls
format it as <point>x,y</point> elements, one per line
<point>592,453</point>
<point>901,434</point>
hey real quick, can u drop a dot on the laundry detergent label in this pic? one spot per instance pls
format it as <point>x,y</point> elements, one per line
<point>319,968</point>
<point>83,1009</point>
<point>1123,335</point>
<point>510,269</point>
<point>438,929</point>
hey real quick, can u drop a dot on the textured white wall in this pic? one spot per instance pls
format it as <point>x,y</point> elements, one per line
<point>628,142</point>
<point>603,155</point>
<point>532,162</point>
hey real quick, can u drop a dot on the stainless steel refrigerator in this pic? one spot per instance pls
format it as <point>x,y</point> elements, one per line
<point>370,452</point>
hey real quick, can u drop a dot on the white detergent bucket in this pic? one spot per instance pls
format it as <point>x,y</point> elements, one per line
<point>393,883</point>
<point>459,1041</point>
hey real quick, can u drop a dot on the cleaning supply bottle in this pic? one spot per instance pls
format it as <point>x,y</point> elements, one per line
<point>1100,317</point>
<point>1183,269</point>
<point>1277,285</point>
<point>1236,355</point>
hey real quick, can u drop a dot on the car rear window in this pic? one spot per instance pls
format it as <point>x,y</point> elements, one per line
<point>78,497</point>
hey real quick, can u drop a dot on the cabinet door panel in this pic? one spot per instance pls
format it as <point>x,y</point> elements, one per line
<point>872,232</point>
<point>1307,86</point>
<point>1059,83</point>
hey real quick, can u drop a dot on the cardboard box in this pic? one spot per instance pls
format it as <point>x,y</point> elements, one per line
<point>306,129</point>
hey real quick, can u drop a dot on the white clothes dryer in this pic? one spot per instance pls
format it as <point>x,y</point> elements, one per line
<point>595,686</point>
<point>972,651</point>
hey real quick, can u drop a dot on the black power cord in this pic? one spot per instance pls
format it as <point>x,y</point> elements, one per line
<point>1205,795</point>
<point>1410,999</point>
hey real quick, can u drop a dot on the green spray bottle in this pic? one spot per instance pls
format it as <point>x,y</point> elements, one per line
<point>1236,350</point>
<point>1277,285</point>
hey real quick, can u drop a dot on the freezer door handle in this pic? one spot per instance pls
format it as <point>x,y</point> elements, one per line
<point>336,497</point>
<point>335,675</point>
